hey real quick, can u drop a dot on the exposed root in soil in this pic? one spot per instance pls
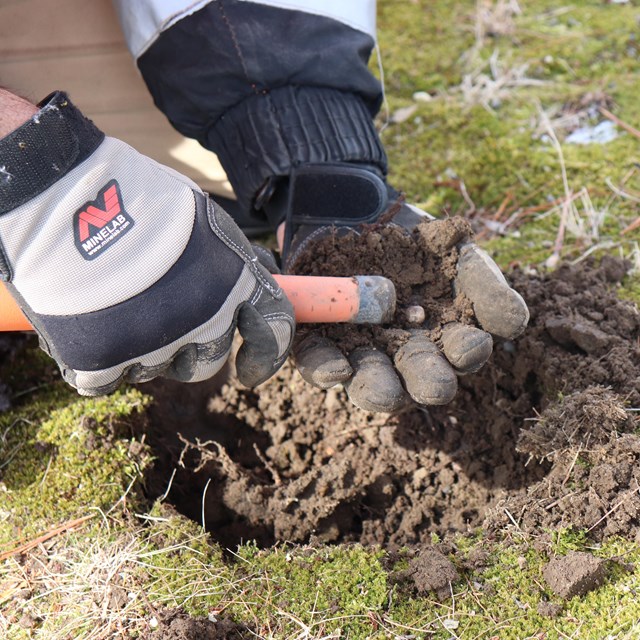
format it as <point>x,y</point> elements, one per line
<point>544,434</point>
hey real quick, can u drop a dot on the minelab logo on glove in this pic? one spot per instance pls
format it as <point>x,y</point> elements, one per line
<point>98,224</point>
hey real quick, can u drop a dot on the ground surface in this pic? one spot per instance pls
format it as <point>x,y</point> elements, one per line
<point>514,512</point>
<point>543,435</point>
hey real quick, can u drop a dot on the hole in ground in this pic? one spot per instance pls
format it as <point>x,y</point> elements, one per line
<point>288,462</point>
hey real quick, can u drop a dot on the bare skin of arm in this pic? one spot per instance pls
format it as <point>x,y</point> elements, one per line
<point>14,111</point>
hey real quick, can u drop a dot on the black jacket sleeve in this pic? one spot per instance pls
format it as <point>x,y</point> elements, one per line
<point>266,88</point>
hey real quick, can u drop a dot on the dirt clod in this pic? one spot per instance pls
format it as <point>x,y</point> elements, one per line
<point>549,609</point>
<point>575,574</point>
<point>433,571</point>
<point>175,624</point>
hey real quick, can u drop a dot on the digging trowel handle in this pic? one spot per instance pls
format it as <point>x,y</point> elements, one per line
<point>359,300</point>
<point>11,317</point>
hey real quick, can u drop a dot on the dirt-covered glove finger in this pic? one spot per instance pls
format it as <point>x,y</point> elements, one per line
<point>466,348</point>
<point>499,309</point>
<point>375,385</point>
<point>266,323</point>
<point>266,334</point>
<point>428,377</point>
<point>320,362</point>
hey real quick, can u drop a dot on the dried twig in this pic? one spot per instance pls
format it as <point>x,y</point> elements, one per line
<point>554,258</point>
<point>627,127</point>
<point>621,192</point>
<point>459,185</point>
<point>277,481</point>
<point>586,225</point>
<point>52,533</point>
<point>503,205</point>
<point>631,227</point>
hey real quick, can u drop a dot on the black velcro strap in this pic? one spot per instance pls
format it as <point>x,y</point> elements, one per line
<point>326,195</point>
<point>335,194</point>
<point>43,150</point>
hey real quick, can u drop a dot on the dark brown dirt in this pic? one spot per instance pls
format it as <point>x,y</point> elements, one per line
<point>11,346</point>
<point>575,574</point>
<point>544,435</point>
<point>432,571</point>
<point>175,624</point>
<point>549,609</point>
<point>421,264</point>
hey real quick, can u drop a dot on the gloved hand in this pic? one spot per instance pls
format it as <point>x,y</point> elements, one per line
<point>125,268</point>
<point>323,195</point>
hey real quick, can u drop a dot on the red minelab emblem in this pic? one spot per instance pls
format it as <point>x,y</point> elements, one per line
<point>98,224</point>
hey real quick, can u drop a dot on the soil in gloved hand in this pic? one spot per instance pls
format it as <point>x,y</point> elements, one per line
<point>422,266</point>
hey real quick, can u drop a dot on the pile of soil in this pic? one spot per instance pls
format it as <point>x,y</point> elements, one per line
<point>421,264</point>
<point>543,436</point>
<point>575,574</point>
<point>175,624</point>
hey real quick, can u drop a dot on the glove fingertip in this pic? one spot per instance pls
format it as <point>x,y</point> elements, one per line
<point>255,366</point>
<point>466,348</point>
<point>266,343</point>
<point>375,386</point>
<point>499,309</point>
<point>321,363</point>
<point>428,377</point>
<point>506,320</point>
<point>251,373</point>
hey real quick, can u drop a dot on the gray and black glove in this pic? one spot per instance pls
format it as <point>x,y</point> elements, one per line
<point>337,198</point>
<point>125,268</point>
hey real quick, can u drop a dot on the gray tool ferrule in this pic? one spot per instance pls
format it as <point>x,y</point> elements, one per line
<point>377,300</point>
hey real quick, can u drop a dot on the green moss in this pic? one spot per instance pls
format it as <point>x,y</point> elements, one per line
<point>61,454</point>
<point>502,600</point>
<point>287,591</point>
<point>330,589</point>
<point>179,566</point>
<point>344,590</point>
<point>630,289</point>
<point>465,543</point>
<point>421,43</point>
<point>569,539</point>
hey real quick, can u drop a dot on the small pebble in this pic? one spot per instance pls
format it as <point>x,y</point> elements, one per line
<point>422,96</point>
<point>415,314</point>
<point>508,346</point>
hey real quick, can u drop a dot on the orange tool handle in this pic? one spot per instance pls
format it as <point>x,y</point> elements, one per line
<point>11,317</point>
<point>321,299</point>
<point>359,299</point>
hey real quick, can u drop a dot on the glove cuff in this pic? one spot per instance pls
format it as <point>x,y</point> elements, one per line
<point>268,135</point>
<point>44,149</point>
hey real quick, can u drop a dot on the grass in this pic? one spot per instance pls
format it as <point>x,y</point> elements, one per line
<point>576,55</point>
<point>61,455</point>
<point>119,577</point>
<point>477,146</point>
